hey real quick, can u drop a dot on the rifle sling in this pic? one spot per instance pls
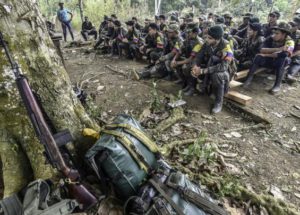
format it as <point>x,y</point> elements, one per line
<point>198,200</point>
<point>158,187</point>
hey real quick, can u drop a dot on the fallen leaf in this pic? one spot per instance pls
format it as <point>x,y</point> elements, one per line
<point>276,192</point>
<point>227,135</point>
<point>236,134</point>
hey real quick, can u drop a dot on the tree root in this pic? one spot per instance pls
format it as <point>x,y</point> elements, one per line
<point>177,114</point>
<point>167,148</point>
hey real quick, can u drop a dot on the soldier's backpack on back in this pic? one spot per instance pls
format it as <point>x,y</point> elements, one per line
<point>123,155</point>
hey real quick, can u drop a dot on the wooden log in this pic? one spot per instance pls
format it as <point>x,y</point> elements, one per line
<point>234,84</point>
<point>238,97</point>
<point>243,74</point>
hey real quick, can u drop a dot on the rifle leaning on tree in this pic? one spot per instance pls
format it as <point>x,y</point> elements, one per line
<point>49,141</point>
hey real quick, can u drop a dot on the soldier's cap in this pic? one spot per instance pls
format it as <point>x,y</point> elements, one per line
<point>192,27</point>
<point>86,17</point>
<point>147,20</point>
<point>61,3</point>
<point>117,23</point>
<point>228,15</point>
<point>162,16</point>
<point>114,16</point>
<point>255,26</point>
<point>109,19</point>
<point>296,21</point>
<point>202,17</point>
<point>153,26</point>
<point>254,19</point>
<point>174,18</point>
<point>130,23</point>
<point>211,14</point>
<point>247,15</point>
<point>216,32</point>
<point>220,20</point>
<point>173,28</point>
<point>134,18</point>
<point>283,26</point>
<point>189,20</point>
<point>275,13</point>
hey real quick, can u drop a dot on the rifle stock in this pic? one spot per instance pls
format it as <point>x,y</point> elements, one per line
<point>78,191</point>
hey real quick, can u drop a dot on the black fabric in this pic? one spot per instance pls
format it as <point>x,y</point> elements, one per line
<point>216,32</point>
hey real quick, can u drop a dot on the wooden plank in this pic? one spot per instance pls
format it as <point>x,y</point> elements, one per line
<point>234,84</point>
<point>241,74</point>
<point>244,73</point>
<point>238,97</point>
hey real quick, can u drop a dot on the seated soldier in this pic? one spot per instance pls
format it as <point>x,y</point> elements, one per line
<point>88,29</point>
<point>201,19</point>
<point>145,29</point>
<point>104,25</point>
<point>130,41</point>
<point>294,67</point>
<point>184,60</point>
<point>119,35</point>
<point>206,26</point>
<point>241,31</point>
<point>274,54</point>
<point>250,46</point>
<point>106,36</point>
<point>163,25</point>
<point>215,55</point>
<point>162,67</point>
<point>154,44</point>
<point>272,22</point>
<point>228,20</point>
<point>137,26</point>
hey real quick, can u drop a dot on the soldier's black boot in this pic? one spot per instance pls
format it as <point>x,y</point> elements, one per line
<point>187,87</point>
<point>190,91</point>
<point>279,75</point>
<point>219,93</point>
<point>248,80</point>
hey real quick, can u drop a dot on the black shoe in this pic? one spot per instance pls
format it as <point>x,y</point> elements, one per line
<point>190,92</point>
<point>219,93</point>
<point>274,90</point>
<point>178,81</point>
<point>187,87</point>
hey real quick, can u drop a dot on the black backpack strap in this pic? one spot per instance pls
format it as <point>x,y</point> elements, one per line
<point>195,198</point>
<point>159,187</point>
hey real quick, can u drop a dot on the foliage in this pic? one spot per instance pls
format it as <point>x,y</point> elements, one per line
<point>155,99</point>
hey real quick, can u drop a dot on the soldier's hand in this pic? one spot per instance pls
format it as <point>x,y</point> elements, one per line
<point>196,71</point>
<point>125,40</point>
<point>285,48</point>
<point>173,64</point>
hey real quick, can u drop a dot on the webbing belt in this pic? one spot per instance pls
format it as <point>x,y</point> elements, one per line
<point>138,134</point>
<point>131,148</point>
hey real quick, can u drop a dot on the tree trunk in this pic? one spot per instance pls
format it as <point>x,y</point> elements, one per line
<point>81,9</point>
<point>20,151</point>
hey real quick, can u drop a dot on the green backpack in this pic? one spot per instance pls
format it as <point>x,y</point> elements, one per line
<point>123,156</point>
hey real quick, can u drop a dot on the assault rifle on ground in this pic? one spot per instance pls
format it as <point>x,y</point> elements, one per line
<point>48,140</point>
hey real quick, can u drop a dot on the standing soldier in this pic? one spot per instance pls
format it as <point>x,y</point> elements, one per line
<point>274,54</point>
<point>216,54</point>
<point>272,22</point>
<point>65,21</point>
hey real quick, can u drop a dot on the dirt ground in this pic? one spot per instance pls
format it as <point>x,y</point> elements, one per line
<point>264,157</point>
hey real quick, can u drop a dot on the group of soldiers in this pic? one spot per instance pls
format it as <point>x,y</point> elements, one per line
<point>208,51</point>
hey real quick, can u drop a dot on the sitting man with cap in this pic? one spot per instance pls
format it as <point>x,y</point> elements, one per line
<point>274,54</point>
<point>228,20</point>
<point>185,59</point>
<point>213,62</point>
<point>130,43</point>
<point>88,29</point>
<point>272,22</point>
<point>250,46</point>
<point>162,67</point>
<point>118,37</point>
<point>153,46</point>
<point>106,36</point>
<point>163,25</point>
<point>294,67</point>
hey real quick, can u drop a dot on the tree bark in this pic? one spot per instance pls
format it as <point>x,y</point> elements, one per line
<point>20,151</point>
